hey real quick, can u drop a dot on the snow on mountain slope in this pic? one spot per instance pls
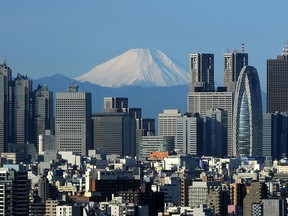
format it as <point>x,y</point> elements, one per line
<point>138,67</point>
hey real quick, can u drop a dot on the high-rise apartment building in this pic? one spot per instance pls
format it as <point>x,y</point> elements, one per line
<point>14,191</point>
<point>5,79</point>
<point>277,79</point>
<point>201,72</point>
<point>43,112</point>
<point>233,63</point>
<point>257,192</point>
<point>167,122</point>
<point>21,114</point>
<point>201,102</point>
<point>247,115</point>
<point>114,133</point>
<point>73,120</point>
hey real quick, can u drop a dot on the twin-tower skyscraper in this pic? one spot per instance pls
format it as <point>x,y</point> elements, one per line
<point>240,96</point>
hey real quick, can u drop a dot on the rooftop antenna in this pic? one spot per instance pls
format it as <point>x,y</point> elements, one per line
<point>4,60</point>
<point>285,49</point>
<point>242,47</point>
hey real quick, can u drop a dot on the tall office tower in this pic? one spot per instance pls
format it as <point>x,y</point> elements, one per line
<point>215,126</point>
<point>233,63</point>
<point>257,192</point>
<point>277,79</point>
<point>73,120</point>
<point>167,122</point>
<point>5,79</point>
<point>14,191</point>
<point>189,134</point>
<point>201,72</point>
<point>275,135</point>
<point>43,118</point>
<point>115,133</point>
<point>21,110</point>
<point>247,114</point>
<point>200,102</point>
<point>115,104</point>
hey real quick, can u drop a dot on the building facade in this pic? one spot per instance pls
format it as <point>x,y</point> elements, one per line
<point>5,79</point>
<point>275,135</point>
<point>247,115</point>
<point>215,129</point>
<point>233,63</point>
<point>277,79</point>
<point>73,121</point>
<point>201,72</point>
<point>43,109</point>
<point>167,122</point>
<point>189,134</point>
<point>114,133</point>
<point>200,102</point>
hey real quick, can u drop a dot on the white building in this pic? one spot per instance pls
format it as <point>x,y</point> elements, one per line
<point>167,122</point>
<point>73,120</point>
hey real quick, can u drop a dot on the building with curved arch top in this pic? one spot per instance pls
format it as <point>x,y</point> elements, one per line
<point>247,114</point>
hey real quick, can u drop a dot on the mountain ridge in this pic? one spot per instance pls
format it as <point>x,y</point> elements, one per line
<point>138,67</point>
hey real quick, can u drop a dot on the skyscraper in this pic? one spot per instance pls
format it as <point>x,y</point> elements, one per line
<point>167,122</point>
<point>43,118</point>
<point>201,72</point>
<point>73,120</point>
<point>247,115</point>
<point>275,135</point>
<point>115,104</point>
<point>21,110</point>
<point>215,132</point>
<point>233,63</point>
<point>201,102</point>
<point>277,79</point>
<point>5,79</point>
<point>114,133</point>
<point>189,134</point>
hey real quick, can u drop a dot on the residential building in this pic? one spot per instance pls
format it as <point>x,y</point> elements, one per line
<point>257,192</point>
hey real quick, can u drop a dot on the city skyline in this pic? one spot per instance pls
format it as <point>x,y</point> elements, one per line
<point>54,38</point>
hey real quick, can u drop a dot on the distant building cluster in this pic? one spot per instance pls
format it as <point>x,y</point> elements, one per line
<point>222,156</point>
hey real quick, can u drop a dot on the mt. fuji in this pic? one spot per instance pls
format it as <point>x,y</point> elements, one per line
<point>138,67</point>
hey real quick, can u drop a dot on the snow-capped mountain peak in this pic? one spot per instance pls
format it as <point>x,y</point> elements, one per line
<point>138,67</point>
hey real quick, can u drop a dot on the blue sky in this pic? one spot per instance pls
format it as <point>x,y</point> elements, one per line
<point>41,38</point>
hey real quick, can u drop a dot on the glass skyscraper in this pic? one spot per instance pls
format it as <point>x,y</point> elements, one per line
<point>247,115</point>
